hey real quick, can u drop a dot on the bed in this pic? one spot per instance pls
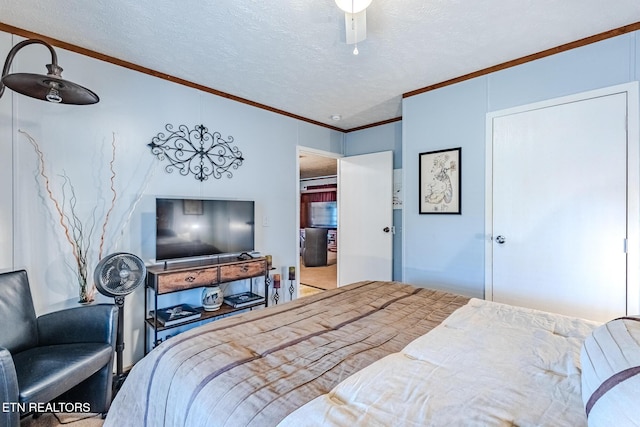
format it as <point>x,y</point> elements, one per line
<point>373,353</point>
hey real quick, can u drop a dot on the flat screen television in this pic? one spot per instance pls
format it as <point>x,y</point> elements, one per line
<point>323,214</point>
<point>187,228</point>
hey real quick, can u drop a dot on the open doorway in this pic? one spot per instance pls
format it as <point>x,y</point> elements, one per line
<point>318,225</point>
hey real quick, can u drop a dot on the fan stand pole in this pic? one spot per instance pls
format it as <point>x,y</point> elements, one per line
<point>120,376</point>
<point>117,275</point>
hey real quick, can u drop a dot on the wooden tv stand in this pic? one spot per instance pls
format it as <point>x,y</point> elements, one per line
<point>189,275</point>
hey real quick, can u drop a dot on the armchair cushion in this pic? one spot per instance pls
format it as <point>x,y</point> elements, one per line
<point>48,371</point>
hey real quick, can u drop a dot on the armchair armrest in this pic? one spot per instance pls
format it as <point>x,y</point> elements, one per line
<point>9,413</point>
<point>94,323</point>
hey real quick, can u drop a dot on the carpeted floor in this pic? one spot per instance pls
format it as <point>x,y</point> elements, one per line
<point>305,291</point>
<point>324,277</point>
<point>55,420</point>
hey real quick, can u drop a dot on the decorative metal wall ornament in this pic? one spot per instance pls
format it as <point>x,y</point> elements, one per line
<point>196,151</point>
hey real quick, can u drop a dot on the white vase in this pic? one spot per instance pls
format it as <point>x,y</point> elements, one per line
<point>212,298</point>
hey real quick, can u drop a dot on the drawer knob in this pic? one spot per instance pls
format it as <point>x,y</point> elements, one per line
<point>190,279</point>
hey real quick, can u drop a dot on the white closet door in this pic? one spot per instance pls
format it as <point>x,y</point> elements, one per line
<point>560,208</point>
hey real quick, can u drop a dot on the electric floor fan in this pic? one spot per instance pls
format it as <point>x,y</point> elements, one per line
<point>117,275</point>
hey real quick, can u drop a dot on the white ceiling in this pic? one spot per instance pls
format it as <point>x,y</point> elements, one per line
<point>313,166</point>
<point>290,54</point>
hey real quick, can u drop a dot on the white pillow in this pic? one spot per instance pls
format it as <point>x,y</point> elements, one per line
<point>610,360</point>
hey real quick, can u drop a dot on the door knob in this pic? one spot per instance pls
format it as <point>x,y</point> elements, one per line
<point>386,229</point>
<point>500,239</point>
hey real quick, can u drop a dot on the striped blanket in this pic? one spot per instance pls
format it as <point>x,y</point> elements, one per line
<point>256,368</point>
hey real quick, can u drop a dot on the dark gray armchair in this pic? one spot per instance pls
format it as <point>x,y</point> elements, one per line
<point>64,356</point>
<point>314,251</point>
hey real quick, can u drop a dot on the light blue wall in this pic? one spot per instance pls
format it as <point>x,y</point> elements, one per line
<point>607,63</point>
<point>444,250</point>
<point>375,139</point>
<point>133,108</point>
<point>372,140</point>
<point>447,251</point>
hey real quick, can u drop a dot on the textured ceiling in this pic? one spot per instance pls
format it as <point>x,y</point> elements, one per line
<point>313,166</point>
<point>290,54</point>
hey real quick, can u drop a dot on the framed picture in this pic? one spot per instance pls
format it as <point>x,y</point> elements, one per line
<point>192,207</point>
<point>439,182</point>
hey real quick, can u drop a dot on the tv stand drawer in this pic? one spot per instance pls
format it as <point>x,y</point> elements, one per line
<point>181,280</point>
<point>244,270</point>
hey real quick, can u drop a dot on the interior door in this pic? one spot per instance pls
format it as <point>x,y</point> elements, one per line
<point>365,217</point>
<point>559,222</point>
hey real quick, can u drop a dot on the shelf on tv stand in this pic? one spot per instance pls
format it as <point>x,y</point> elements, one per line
<point>222,311</point>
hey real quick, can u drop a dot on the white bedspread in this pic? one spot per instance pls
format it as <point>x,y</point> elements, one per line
<point>488,364</point>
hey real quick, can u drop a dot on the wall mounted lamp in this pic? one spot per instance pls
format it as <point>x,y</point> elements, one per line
<point>355,20</point>
<point>50,87</point>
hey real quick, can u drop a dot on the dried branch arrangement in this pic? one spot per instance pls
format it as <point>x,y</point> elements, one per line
<point>77,233</point>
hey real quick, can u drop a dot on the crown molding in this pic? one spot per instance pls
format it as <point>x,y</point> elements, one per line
<point>558,49</point>
<point>135,67</point>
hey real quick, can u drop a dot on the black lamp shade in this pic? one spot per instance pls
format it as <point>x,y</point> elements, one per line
<point>38,86</point>
<point>50,87</point>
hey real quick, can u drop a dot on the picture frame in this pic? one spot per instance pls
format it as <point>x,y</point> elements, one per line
<point>192,207</point>
<point>439,181</point>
